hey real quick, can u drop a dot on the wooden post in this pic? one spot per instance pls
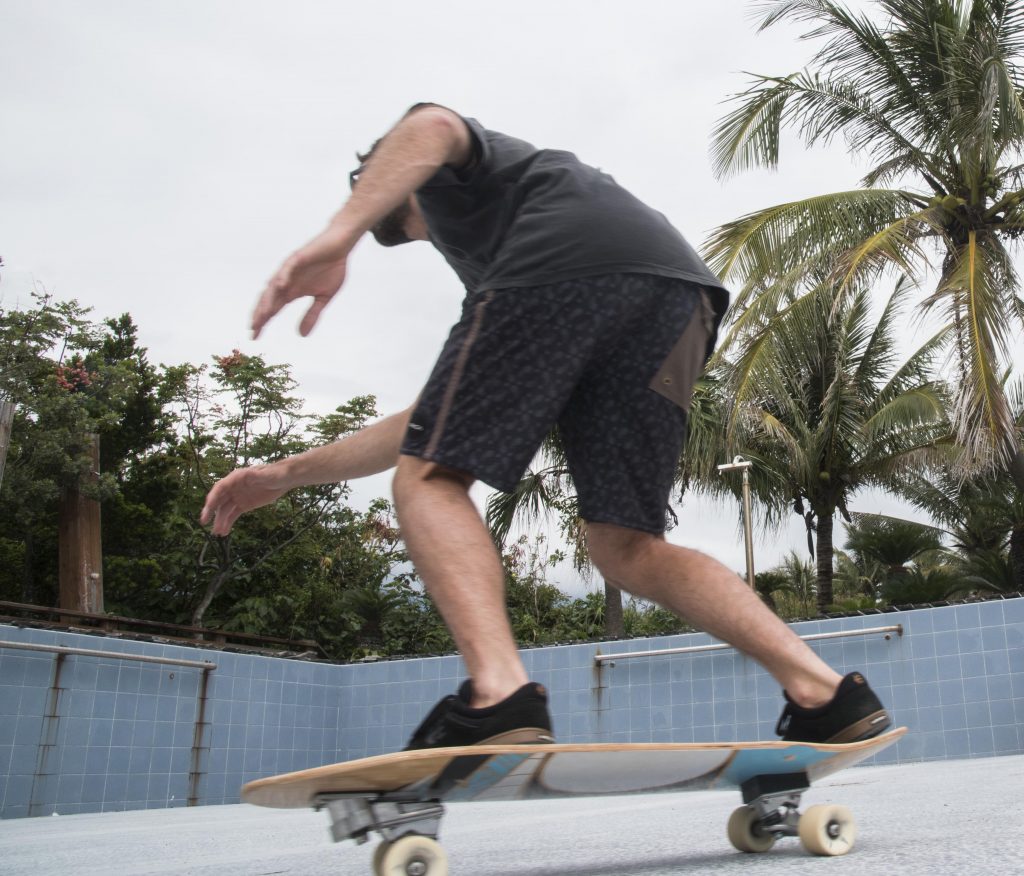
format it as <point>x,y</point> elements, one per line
<point>81,554</point>
<point>6,419</point>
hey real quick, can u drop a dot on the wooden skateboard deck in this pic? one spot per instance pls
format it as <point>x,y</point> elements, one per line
<point>401,794</point>
<point>518,772</point>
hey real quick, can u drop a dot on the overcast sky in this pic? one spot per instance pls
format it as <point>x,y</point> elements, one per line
<point>161,158</point>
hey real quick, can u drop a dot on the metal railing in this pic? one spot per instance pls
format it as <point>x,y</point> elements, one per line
<point>52,716</point>
<point>700,649</point>
<point>88,652</point>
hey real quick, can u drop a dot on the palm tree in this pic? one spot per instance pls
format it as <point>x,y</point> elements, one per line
<point>797,598</point>
<point>814,395</point>
<point>983,517</point>
<point>891,542</point>
<point>859,580</point>
<point>929,92</point>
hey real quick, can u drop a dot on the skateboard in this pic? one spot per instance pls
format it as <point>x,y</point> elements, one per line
<point>401,796</point>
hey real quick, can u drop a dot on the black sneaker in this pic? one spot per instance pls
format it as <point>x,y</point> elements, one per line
<point>854,713</point>
<point>522,718</point>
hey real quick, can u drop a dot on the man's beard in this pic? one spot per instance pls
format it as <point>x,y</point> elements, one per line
<point>390,231</point>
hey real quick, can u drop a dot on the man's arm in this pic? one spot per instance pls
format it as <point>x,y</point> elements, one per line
<point>371,450</point>
<point>409,155</point>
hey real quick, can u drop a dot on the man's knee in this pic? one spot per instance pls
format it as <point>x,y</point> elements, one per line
<point>617,551</point>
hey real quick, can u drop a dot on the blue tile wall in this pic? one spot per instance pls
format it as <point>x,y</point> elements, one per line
<point>121,734</point>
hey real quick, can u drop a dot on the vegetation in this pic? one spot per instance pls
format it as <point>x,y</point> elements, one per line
<point>928,93</point>
<point>814,395</point>
<point>309,566</point>
<point>809,382</point>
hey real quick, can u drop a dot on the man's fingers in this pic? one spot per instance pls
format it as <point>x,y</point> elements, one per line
<point>312,315</point>
<point>274,297</point>
<point>269,304</point>
<point>210,506</point>
<point>220,508</point>
<point>226,517</point>
<point>223,516</point>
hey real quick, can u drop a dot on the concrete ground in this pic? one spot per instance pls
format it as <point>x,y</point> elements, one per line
<point>941,817</point>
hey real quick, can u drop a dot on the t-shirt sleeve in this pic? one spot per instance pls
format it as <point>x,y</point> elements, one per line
<point>478,161</point>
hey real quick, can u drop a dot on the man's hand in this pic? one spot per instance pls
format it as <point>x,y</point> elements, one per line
<point>242,490</point>
<point>316,271</point>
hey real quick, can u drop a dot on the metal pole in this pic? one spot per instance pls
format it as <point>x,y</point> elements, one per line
<point>740,464</point>
<point>701,649</point>
<point>116,655</point>
<point>747,533</point>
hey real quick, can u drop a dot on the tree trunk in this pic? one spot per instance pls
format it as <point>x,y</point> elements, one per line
<point>28,573</point>
<point>614,625</point>
<point>1017,558</point>
<point>824,554</point>
<point>80,551</point>
<point>211,592</point>
<point>6,419</point>
<point>222,546</point>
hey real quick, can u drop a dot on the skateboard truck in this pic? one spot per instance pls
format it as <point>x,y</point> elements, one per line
<point>776,799</point>
<point>408,827</point>
<point>354,817</point>
<point>770,812</point>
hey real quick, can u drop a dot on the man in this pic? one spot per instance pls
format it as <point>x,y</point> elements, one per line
<point>586,311</point>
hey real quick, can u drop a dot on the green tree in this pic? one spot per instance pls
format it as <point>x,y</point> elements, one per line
<point>858,582</point>
<point>895,544</point>
<point>249,415</point>
<point>67,383</point>
<point>928,93</point>
<point>798,596</point>
<point>983,519</point>
<point>770,583</point>
<point>815,396</point>
<point>147,484</point>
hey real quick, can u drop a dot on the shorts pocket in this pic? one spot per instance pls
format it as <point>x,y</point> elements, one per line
<point>679,371</point>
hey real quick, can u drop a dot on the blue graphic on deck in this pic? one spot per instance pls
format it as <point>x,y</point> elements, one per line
<point>492,772</point>
<point>765,761</point>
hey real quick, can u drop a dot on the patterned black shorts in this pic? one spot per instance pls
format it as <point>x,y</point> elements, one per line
<point>600,357</point>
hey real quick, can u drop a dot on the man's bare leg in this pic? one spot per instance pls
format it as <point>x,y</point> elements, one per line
<point>707,594</point>
<point>455,556</point>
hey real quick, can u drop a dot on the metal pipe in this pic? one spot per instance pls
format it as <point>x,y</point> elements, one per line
<point>195,774</point>
<point>46,753</point>
<point>740,464</point>
<point>699,649</point>
<point>88,652</point>
<point>748,534</point>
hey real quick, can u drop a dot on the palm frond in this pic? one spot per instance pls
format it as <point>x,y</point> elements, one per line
<point>533,497</point>
<point>971,286</point>
<point>921,405</point>
<point>819,108</point>
<point>804,236</point>
<point>893,66</point>
<point>749,136</point>
<point>897,245</point>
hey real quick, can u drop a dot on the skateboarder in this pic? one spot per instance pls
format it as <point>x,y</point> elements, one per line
<point>586,310</point>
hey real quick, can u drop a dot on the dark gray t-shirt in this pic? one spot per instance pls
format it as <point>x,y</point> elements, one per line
<point>521,216</point>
